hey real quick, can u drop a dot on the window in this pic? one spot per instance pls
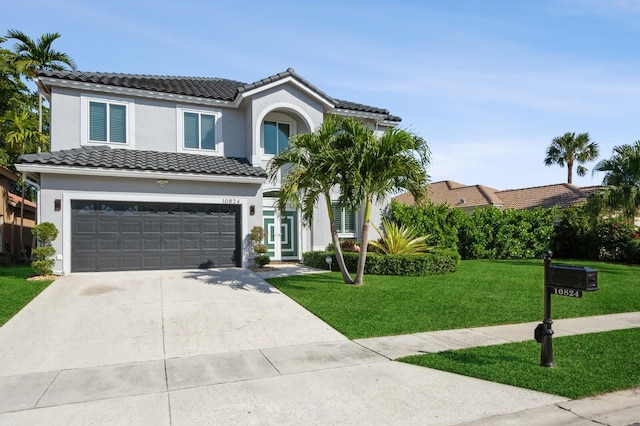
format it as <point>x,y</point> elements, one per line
<point>276,137</point>
<point>107,122</point>
<point>345,219</point>
<point>199,131</point>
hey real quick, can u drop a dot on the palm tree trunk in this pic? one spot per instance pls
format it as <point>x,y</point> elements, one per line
<point>569,170</point>
<point>336,243</point>
<point>364,243</point>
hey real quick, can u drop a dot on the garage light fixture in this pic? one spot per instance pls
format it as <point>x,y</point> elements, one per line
<point>162,182</point>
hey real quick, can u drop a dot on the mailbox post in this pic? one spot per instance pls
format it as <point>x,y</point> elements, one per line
<point>561,280</point>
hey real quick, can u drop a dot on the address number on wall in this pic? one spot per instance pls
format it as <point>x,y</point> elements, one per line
<point>230,201</point>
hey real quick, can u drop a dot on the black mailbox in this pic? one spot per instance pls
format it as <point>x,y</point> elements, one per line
<point>576,277</point>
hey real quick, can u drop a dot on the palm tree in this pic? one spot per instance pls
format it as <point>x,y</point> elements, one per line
<point>379,167</point>
<point>569,148</point>
<point>621,183</point>
<point>31,56</point>
<point>313,164</point>
<point>21,138</point>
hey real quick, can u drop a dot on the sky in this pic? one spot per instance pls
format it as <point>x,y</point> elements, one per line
<point>487,83</point>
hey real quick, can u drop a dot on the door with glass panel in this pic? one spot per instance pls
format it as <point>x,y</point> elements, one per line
<point>281,234</point>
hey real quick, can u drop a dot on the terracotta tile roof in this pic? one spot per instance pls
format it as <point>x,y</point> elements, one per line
<point>458,195</point>
<point>560,195</point>
<point>16,199</point>
<point>8,174</point>
<point>201,87</point>
<point>111,158</point>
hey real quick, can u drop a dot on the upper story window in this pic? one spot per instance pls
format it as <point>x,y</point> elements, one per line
<point>199,130</point>
<point>107,122</point>
<point>345,219</point>
<point>276,136</point>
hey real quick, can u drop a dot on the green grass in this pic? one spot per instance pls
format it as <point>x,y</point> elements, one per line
<point>585,365</point>
<point>16,291</point>
<point>480,293</point>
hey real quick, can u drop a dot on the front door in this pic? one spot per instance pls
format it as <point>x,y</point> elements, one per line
<point>281,235</point>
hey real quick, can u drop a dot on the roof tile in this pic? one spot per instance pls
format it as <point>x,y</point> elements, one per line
<point>126,159</point>
<point>201,87</point>
<point>457,195</point>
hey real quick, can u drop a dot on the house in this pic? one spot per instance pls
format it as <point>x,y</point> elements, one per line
<point>10,220</point>
<point>157,172</point>
<point>468,198</point>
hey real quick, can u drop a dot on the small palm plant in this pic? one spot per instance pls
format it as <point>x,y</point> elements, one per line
<point>399,239</point>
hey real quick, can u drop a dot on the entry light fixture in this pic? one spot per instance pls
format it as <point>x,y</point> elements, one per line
<point>162,182</point>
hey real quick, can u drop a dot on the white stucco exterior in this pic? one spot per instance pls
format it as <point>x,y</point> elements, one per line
<point>154,123</point>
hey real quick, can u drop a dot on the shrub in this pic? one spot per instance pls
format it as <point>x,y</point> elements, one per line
<point>257,236</point>
<point>262,260</point>
<point>43,261</point>
<point>580,236</point>
<point>348,246</point>
<point>260,248</point>
<point>438,261</point>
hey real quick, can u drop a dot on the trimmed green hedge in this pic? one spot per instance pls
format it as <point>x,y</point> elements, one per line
<point>438,261</point>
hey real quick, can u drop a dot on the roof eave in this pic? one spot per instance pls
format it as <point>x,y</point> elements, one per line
<point>47,82</point>
<point>380,118</point>
<point>148,174</point>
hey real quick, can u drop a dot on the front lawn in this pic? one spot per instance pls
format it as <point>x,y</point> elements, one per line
<point>585,365</point>
<point>16,291</point>
<point>480,293</point>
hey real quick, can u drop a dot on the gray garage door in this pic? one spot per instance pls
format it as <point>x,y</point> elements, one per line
<point>113,236</point>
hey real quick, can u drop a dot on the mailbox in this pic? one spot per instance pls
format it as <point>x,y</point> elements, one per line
<point>575,277</point>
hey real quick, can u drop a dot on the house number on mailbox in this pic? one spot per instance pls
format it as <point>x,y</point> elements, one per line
<point>566,292</point>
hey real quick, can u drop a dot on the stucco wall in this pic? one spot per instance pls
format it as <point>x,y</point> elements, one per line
<point>153,123</point>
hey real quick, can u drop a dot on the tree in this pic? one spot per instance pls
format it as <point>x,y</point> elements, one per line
<point>621,184</point>
<point>569,148</point>
<point>378,167</point>
<point>32,56</point>
<point>20,138</point>
<point>14,97</point>
<point>312,162</point>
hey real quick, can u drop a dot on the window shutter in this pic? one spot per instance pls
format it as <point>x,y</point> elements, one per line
<point>118,123</point>
<point>337,217</point>
<point>97,121</point>
<point>191,133</point>
<point>350,221</point>
<point>208,139</point>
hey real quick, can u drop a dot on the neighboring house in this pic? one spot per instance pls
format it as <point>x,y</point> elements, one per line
<point>10,219</point>
<point>468,198</point>
<point>156,172</point>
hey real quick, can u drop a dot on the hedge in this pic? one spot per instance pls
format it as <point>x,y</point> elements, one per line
<point>436,262</point>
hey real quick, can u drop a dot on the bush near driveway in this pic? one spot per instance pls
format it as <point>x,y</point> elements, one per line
<point>438,261</point>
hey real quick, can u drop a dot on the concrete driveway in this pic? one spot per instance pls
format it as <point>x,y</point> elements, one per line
<point>213,347</point>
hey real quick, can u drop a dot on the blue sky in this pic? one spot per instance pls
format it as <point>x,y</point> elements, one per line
<point>487,83</point>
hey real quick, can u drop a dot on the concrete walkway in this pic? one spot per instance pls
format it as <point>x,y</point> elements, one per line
<point>224,347</point>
